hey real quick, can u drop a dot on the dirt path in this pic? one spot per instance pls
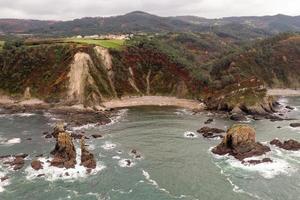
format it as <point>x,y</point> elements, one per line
<point>154,101</point>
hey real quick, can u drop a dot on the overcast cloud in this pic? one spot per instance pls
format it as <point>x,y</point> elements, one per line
<point>70,9</point>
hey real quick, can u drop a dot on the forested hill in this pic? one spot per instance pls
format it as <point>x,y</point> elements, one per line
<point>235,27</point>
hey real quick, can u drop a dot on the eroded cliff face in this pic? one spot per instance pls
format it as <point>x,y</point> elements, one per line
<point>80,80</point>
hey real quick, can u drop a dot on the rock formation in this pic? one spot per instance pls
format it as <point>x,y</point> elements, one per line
<point>239,142</point>
<point>290,145</point>
<point>211,132</point>
<point>87,158</point>
<point>295,125</point>
<point>37,165</point>
<point>64,152</point>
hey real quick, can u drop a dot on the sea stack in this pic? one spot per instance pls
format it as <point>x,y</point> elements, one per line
<point>87,158</point>
<point>64,152</point>
<point>239,142</point>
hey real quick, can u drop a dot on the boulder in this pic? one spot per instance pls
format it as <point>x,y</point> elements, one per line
<point>96,136</point>
<point>87,158</point>
<point>238,117</point>
<point>239,142</point>
<point>209,121</point>
<point>37,165</point>
<point>210,132</point>
<point>135,153</point>
<point>64,152</point>
<point>290,107</point>
<point>291,145</point>
<point>295,125</point>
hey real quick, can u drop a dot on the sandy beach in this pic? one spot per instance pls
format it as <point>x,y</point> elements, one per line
<point>283,92</point>
<point>154,101</point>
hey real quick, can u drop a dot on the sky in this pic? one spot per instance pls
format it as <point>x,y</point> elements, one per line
<point>70,9</point>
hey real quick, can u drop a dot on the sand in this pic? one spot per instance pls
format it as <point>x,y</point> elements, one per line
<point>154,101</point>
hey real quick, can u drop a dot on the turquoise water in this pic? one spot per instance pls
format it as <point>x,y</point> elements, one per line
<point>172,166</point>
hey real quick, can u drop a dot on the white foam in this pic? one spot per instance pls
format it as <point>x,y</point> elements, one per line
<point>183,112</point>
<point>113,120</point>
<point>190,134</point>
<point>84,127</point>
<point>268,170</point>
<point>52,173</point>
<point>116,157</point>
<point>51,116</point>
<point>3,183</point>
<point>124,163</point>
<point>121,113</point>
<point>109,146</point>
<point>24,114</point>
<point>10,141</point>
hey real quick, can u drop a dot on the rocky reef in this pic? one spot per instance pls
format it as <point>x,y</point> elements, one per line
<point>240,142</point>
<point>291,145</point>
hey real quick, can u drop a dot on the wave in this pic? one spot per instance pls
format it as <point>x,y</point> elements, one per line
<point>115,119</point>
<point>190,134</point>
<point>183,111</point>
<point>9,142</point>
<point>279,166</point>
<point>51,173</point>
<point>108,145</point>
<point>155,184</point>
<point>126,163</point>
<point>3,183</point>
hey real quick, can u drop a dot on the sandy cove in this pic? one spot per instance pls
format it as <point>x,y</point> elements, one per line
<point>115,103</point>
<point>154,101</point>
<point>283,92</point>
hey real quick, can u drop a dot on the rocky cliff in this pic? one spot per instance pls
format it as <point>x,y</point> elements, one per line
<point>225,76</point>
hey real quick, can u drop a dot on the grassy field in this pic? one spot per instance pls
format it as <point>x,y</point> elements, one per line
<point>1,44</point>
<point>112,44</point>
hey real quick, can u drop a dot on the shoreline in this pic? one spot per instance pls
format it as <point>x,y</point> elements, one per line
<point>126,102</point>
<point>283,92</point>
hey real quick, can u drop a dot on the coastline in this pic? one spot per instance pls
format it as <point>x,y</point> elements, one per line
<point>154,101</point>
<point>283,92</point>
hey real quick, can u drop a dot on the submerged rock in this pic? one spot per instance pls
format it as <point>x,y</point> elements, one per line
<point>37,165</point>
<point>295,125</point>
<point>255,162</point>
<point>64,152</point>
<point>238,117</point>
<point>18,161</point>
<point>87,158</point>
<point>96,136</point>
<point>211,132</point>
<point>210,120</point>
<point>291,145</point>
<point>239,142</point>
<point>290,107</point>
<point>2,179</point>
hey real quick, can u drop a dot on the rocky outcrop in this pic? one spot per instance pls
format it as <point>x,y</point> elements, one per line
<point>256,162</point>
<point>208,132</point>
<point>238,117</point>
<point>18,162</point>
<point>295,125</point>
<point>239,142</point>
<point>87,158</point>
<point>37,165</point>
<point>64,152</point>
<point>290,145</point>
<point>59,128</point>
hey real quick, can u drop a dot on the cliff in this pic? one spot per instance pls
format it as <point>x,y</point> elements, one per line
<point>195,66</point>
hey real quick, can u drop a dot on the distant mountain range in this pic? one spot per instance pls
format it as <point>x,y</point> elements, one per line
<point>235,27</point>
